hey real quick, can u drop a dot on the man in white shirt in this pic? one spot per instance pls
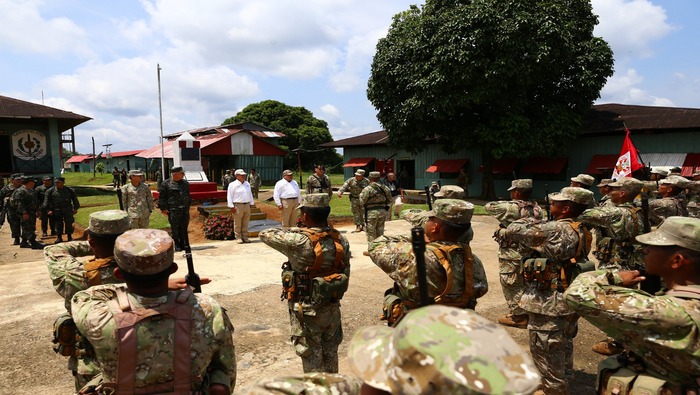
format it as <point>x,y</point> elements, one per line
<point>240,200</point>
<point>287,197</point>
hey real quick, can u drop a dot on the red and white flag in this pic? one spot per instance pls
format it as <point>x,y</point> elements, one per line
<point>628,160</point>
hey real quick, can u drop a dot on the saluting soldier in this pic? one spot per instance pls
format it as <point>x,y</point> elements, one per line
<point>604,189</point>
<point>582,181</point>
<point>137,200</point>
<point>185,347</point>
<point>47,221</point>
<point>354,186</point>
<point>446,252</point>
<point>62,202</point>
<point>520,206</point>
<point>7,206</point>
<point>671,204</point>
<point>26,205</point>
<point>174,200</point>
<point>319,181</point>
<point>314,279</point>
<point>375,200</point>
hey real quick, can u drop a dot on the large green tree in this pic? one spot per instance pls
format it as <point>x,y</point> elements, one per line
<point>513,77</point>
<point>302,131</point>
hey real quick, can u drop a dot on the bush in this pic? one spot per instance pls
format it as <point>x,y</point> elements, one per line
<point>219,227</point>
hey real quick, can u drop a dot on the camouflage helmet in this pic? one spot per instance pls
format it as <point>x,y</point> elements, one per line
<point>316,383</point>
<point>108,222</point>
<point>314,200</point>
<point>442,350</point>
<point>630,185</point>
<point>675,231</point>
<point>452,210</point>
<point>450,192</point>
<point>144,251</point>
<point>523,183</point>
<point>374,174</point>
<point>573,194</point>
<point>660,172</point>
<point>135,172</point>
<point>360,172</point>
<point>584,179</point>
<point>605,182</point>
<point>676,181</point>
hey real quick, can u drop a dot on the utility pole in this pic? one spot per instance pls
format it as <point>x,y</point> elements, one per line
<point>162,147</point>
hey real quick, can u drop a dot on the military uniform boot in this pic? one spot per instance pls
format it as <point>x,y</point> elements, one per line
<point>516,321</point>
<point>608,347</point>
<point>70,237</point>
<point>36,245</point>
<point>59,239</point>
<point>24,244</point>
<point>16,241</point>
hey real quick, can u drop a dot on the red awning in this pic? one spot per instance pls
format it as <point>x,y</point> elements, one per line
<point>502,166</point>
<point>544,165</point>
<point>358,162</point>
<point>690,165</point>
<point>447,165</point>
<point>602,162</point>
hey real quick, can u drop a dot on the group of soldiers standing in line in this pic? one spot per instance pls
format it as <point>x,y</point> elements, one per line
<point>543,260</point>
<point>53,203</point>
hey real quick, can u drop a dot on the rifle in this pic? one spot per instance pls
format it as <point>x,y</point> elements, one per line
<point>192,278</point>
<point>652,283</point>
<point>3,214</point>
<point>418,243</point>
<point>546,202</point>
<point>119,196</point>
<point>428,198</point>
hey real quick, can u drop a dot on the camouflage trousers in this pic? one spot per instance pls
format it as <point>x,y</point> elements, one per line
<point>358,212</point>
<point>28,228</point>
<point>47,222</point>
<point>15,220</point>
<point>552,348</point>
<point>627,258</point>
<point>64,222</point>
<point>255,192</point>
<point>375,224</point>
<point>142,222</point>
<point>316,335</point>
<point>511,284</point>
<point>179,221</point>
<point>83,370</point>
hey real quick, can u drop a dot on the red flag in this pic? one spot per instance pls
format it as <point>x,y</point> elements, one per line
<point>628,160</point>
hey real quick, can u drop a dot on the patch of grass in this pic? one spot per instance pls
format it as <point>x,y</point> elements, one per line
<point>73,179</point>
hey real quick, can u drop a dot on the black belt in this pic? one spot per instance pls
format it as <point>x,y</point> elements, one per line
<point>377,208</point>
<point>295,198</point>
<point>240,202</point>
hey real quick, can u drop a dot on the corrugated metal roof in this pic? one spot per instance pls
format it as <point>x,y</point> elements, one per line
<point>78,158</point>
<point>663,159</point>
<point>375,138</point>
<point>605,118</point>
<point>155,151</point>
<point>253,128</point>
<point>20,109</point>
<point>124,153</point>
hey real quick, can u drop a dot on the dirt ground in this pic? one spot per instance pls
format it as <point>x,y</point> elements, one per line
<point>29,305</point>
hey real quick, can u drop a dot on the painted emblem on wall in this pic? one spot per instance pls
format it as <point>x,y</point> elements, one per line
<point>28,144</point>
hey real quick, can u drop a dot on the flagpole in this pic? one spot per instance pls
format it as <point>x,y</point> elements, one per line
<point>162,147</point>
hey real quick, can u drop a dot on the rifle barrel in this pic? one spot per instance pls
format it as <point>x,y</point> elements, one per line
<point>418,243</point>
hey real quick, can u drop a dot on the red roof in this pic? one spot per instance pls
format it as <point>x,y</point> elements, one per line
<point>78,158</point>
<point>690,165</point>
<point>447,165</point>
<point>260,147</point>
<point>600,162</point>
<point>358,162</point>
<point>545,165</point>
<point>124,153</point>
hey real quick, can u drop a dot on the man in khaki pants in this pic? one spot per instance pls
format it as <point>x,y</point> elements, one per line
<point>240,199</point>
<point>287,197</point>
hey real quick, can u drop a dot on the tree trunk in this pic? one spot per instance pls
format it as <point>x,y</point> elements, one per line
<point>488,191</point>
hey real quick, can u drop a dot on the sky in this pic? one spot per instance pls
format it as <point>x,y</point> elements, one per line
<point>99,58</point>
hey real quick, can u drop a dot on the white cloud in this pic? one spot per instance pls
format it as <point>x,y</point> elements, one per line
<point>330,110</point>
<point>624,87</point>
<point>631,26</point>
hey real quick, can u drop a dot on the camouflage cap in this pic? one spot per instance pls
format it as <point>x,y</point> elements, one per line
<point>360,172</point>
<point>176,169</point>
<point>660,172</point>
<point>374,174</point>
<point>584,179</point>
<point>630,185</point>
<point>676,181</point>
<point>450,192</point>
<point>144,251</point>
<point>452,210</point>
<point>315,200</point>
<point>287,173</point>
<point>442,350</point>
<point>573,194</point>
<point>316,383</point>
<point>27,179</point>
<point>675,231</point>
<point>47,178</point>
<point>694,186</point>
<point>59,179</point>
<point>605,182</point>
<point>135,172</point>
<point>16,176</point>
<point>523,183</point>
<point>108,222</point>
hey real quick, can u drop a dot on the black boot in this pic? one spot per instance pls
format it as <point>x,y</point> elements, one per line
<point>70,237</point>
<point>36,245</point>
<point>16,242</point>
<point>24,244</point>
<point>59,239</point>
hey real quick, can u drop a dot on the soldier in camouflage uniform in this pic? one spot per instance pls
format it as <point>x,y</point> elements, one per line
<point>564,244</point>
<point>448,222</point>
<point>47,221</point>
<point>26,205</point>
<point>662,330</point>
<point>319,181</point>
<point>174,201</point>
<point>651,187</point>
<point>441,350</point>
<point>62,203</point>
<point>670,204</point>
<point>111,317</point>
<point>314,280</point>
<point>520,206</point>
<point>225,180</point>
<point>137,200</point>
<point>7,207</point>
<point>604,189</point>
<point>374,200</point>
<point>693,196</point>
<point>354,186</point>
<point>255,182</point>
<point>582,181</point>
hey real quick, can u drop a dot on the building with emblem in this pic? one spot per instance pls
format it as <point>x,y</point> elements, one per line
<point>31,137</point>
